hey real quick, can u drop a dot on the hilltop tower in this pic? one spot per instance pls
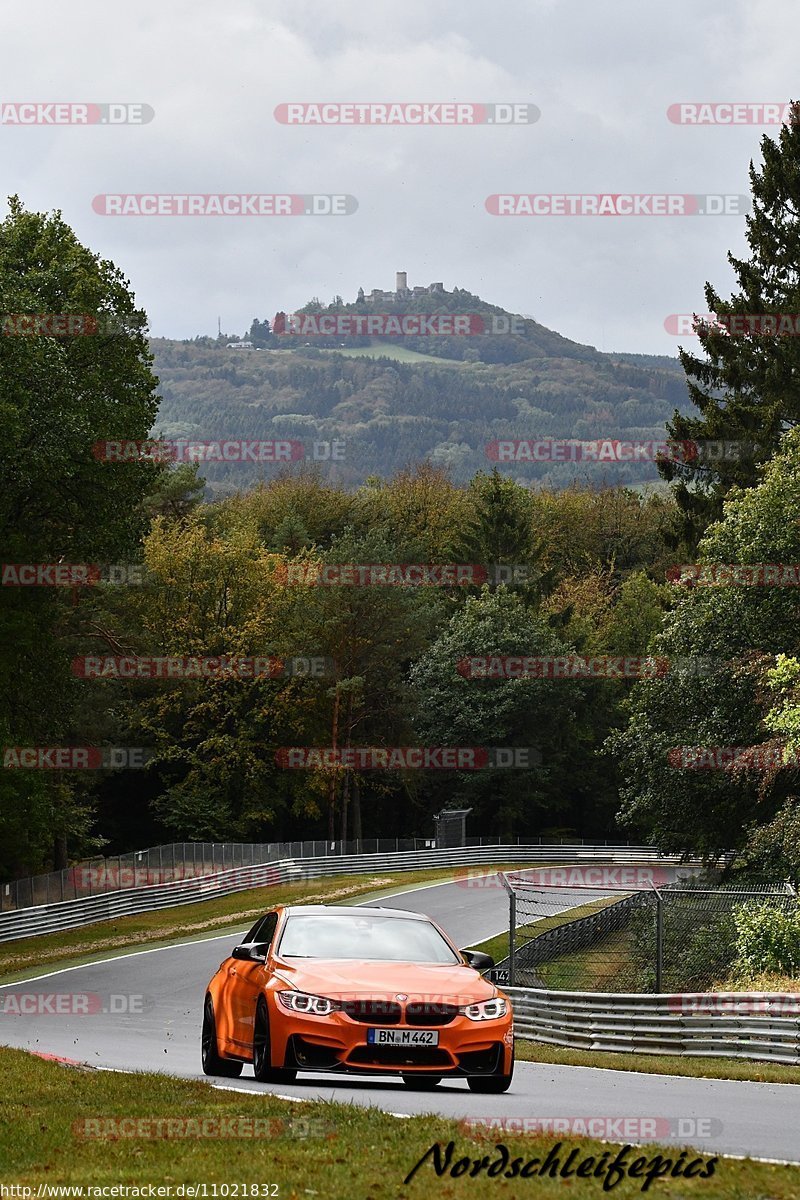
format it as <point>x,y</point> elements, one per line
<point>402,281</point>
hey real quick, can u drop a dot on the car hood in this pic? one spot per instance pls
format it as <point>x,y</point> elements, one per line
<point>364,978</point>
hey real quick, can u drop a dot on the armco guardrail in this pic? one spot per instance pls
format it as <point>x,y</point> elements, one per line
<point>755,1025</point>
<point>70,914</point>
<point>184,860</point>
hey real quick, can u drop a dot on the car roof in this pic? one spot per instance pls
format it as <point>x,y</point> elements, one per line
<point>334,909</point>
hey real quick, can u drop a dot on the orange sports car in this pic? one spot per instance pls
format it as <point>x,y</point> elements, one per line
<point>359,990</point>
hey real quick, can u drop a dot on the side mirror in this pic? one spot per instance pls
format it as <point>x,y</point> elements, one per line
<point>477,959</point>
<point>249,953</point>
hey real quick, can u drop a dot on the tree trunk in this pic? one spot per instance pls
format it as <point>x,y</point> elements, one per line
<point>346,784</point>
<point>60,852</point>
<point>334,774</point>
<point>356,810</point>
<point>345,799</point>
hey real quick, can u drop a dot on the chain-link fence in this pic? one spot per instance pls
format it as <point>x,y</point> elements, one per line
<point>675,937</point>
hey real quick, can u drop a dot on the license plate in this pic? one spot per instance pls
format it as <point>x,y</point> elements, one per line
<point>403,1037</point>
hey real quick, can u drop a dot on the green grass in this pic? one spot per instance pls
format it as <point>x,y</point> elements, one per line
<point>330,1150</point>
<point>768,981</point>
<point>498,946</point>
<point>594,969</point>
<point>26,956</point>
<point>390,350</point>
<point>658,1064</point>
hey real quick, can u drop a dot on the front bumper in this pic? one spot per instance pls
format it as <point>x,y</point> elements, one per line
<point>305,1055</point>
<point>338,1043</point>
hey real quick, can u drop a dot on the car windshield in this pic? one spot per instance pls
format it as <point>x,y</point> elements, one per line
<point>387,939</point>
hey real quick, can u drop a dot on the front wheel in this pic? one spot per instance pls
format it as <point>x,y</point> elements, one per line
<point>422,1083</point>
<point>213,1063</point>
<point>262,1050</point>
<point>492,1084</point>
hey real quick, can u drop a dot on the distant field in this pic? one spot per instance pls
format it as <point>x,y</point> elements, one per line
<point>400,353</point>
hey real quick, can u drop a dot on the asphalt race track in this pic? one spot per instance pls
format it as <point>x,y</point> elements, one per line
<point>144,1013</point>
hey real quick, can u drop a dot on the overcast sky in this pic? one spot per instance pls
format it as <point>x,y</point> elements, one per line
<point>603,76</point>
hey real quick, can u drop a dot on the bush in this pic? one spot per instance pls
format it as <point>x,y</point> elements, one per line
<point>767,939</point>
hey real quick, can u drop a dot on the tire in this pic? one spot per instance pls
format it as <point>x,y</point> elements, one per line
<point>213,1064</point>
<point>422,1083</point>
<point>262,1055</point>
<point>491,1084</point>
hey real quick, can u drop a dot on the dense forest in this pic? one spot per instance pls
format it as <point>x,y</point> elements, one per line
<point>417,559</point>
<point>394,403</point>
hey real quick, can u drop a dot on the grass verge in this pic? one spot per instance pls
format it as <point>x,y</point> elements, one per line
<point>594,969</point>
<point>597,968</point>
<point>766,982</point>
<point>336,1151</point>
<point>498,946</point>
<point>658,1064</point>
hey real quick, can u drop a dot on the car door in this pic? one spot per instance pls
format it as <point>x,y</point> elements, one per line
<point>246,979</point>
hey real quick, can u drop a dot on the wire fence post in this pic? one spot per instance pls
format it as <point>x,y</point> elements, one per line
<point>659,940</point>
<point>512,927</point>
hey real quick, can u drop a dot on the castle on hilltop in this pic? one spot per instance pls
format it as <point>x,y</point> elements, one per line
<point>402,291</point>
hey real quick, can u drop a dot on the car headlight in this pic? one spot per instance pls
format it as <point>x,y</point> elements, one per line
<point>487,1010</point>
<point>304,1002</point>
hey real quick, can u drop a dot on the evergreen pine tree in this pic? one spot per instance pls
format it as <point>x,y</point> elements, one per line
<point>747,387</point>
